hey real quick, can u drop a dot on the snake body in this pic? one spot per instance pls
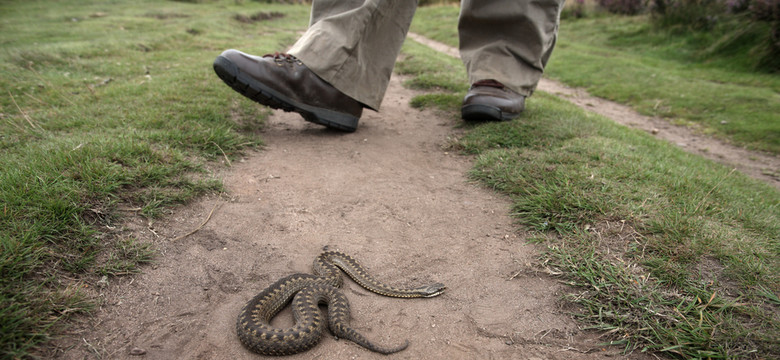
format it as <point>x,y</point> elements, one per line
<point>307,292</point>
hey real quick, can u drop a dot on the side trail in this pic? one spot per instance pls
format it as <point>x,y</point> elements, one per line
<point>758,165</point>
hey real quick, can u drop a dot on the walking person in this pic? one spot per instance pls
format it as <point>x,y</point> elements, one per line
<point>343,62</point>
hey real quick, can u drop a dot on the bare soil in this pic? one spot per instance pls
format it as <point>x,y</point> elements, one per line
<point>392,196</point>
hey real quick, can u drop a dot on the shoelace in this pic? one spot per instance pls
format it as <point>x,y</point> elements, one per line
<point>279,58</point>
<point>489,83</point>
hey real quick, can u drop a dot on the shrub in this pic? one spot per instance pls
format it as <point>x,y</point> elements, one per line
<point>693,14</point>
<point>575,10</point>
<point>737,6</point>
<point>765,10</point>
<point>768,11</point>
<point>436,2</point>
<point>748,28</point>
<point>622,7</point>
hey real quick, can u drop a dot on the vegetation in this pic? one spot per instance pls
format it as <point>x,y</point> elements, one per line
<point>108,109</point>
<point>746,28</point>
<point>114,108</point>
<point>667,252</point>
<point>658,72</point>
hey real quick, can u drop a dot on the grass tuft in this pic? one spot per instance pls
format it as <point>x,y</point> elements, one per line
<point>125,256</point>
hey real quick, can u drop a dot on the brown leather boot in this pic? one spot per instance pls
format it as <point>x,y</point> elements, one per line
<point>281,81</point>
<point>491,100</point>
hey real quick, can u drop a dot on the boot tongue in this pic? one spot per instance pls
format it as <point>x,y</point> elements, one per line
<point>489,83</point>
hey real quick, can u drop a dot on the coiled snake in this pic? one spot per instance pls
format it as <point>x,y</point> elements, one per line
<point>258,335</point>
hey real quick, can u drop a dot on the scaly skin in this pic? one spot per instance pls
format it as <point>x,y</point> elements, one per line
<point>307,292</point>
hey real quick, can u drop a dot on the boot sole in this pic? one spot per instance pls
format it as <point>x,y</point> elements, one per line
<point>477,112</point>
<point>258,92</point>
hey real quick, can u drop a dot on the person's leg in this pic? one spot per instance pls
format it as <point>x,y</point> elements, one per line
<point>342,63</point>
<point>353,44</point>
<point>509,42</point>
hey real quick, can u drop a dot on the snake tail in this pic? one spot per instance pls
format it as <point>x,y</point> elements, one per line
<point>338,316</point>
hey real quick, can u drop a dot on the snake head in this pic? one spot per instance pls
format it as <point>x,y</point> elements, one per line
<point>431,290</point>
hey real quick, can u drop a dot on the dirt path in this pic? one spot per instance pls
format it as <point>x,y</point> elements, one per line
<point>761,166</point>
<point>390,195</point>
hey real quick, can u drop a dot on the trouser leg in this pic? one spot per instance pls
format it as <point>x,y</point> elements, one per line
<point>508,40</point>
<point>353,44</point>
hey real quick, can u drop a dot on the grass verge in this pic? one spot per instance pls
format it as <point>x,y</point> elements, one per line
<point>667,252</point>
<point>109,108</point>
<point>659,73</point>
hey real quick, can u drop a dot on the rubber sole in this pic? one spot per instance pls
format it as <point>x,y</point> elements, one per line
<point>477,112</point>
<point>258,92</point>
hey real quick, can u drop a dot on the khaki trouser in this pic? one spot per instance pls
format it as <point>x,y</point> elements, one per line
<point>353,44</point>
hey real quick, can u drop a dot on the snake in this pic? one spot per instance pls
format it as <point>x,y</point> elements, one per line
<point>307,291</point>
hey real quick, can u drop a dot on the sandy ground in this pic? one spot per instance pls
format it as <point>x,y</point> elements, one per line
<point>389,194</point>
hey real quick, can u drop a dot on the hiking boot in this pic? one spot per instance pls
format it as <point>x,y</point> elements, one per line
<point>491,100</point>
<point>281,81</point>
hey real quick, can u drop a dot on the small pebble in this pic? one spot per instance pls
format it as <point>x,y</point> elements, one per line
<point>137,352</point>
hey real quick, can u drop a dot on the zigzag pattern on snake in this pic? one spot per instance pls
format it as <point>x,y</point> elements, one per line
<point>253,325</point>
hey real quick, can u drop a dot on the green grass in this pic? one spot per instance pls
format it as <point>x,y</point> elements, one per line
<point>106,107</point>
<point>667,252</point>
<point>115,106</point>
<point>659,73</point>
